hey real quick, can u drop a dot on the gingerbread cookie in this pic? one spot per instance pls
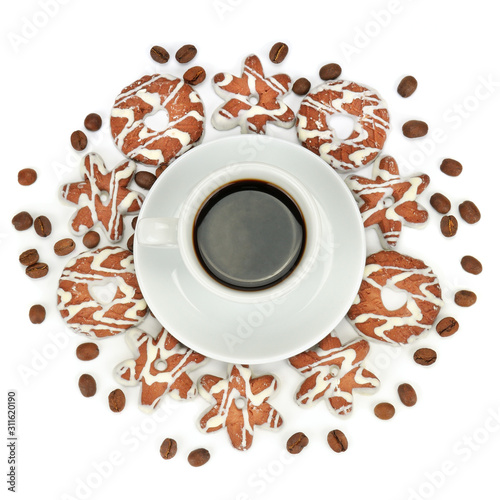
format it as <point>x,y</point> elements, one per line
<point>371,124</point>
<point>239,94</point>
<point>240,404</point>
<point>373,320</point>
<point>161,365</point>
<point>103,197</point>
<point>145,97</point>
<point>77,299</point>
<point>389,201</point>
<point>332,372</point>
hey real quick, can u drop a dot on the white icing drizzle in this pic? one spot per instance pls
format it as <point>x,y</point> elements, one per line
<point>316,104</point>
<point>74,296</point>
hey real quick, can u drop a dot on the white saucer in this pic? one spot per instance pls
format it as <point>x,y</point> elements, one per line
<point>269,331</point>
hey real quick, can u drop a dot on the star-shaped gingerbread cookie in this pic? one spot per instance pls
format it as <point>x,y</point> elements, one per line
<point>161,365</point>
<point>332,373</point>
<point>103,197</point>
<point>388,202</point>
<point>240,404</point>
<point>252,100</point>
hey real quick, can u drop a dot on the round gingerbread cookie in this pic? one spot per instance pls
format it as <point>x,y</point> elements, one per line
<point>86,310</point>
<point>145,97</point>
<point>371,124</point>
<point>389,269</point>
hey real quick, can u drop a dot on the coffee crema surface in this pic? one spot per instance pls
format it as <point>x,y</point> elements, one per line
<point>249,235</point>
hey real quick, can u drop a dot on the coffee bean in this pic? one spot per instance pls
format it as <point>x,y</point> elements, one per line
<point>199,457</point>
<point>145,179</point>
<point>130,243</point>
<point>469,212</point>
<point>384,411</point>
<point>301,86</point>
<point>465,298</point>
<point>449,226</point>
<point>91,239</point>
<point>407,395</point>
<point>87,385</point>
<point>415,128</point>
<point>22,221</point>
<point>296,443</point>
<point>407,86</point>
<point>38,270</point>
<point>168,449</point>
<point>159,54</point>
<point>440,203</point>
<point>134,223</point>
<point>447,327</point>
<point>330,71</point>
<point>425,356</point>
<point>78,140</point>
<point>194,75</point>
<point>92,122</point>
<point>450,167</point>
<point>26,176</point>
<point>337,441</point>
<point>29,257</point>
<point>278,52</point>
<point>471,265</point>
<point>37,314</point>
<point>64,247</point>
<point>87,351</point>
<point>116,400</point>
<point>186,53</point>
<point>42,226</point>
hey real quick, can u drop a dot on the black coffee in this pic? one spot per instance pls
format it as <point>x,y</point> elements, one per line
<point>249,235</point>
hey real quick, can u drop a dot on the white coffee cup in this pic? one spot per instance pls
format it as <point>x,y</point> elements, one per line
<point>177,232</point>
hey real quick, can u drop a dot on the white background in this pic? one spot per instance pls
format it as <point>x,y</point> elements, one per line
<point>75,62</point>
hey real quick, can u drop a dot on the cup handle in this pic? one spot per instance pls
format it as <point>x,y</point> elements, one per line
<point>157,231</point>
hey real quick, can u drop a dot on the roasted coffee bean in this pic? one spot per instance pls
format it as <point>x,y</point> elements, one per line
<point>87,351</point>
<point>407,395</point>
<point>92,122</point>
<point>440,203</point>
<point>116,400</point>
<point>145,179</point>
<point>330,71</point>
<point>447,327</point>
<point>130,243</point>
<point>465,298</point>
<point>471,265</point>
<point>37,270</point>
<point>469,212</point>
<point>87,385</point>
<point>159,54</point>
<point>278,52</point>
<point>449,226</point>
<point>29,257</point>
<point>450,167</point>
<point>64,247</point>
<point>301,86</point>
<point>337,441</point>
<point>415,128</point>
<point>407,86</point>
<point>134,223</point>
<point>37,314</point>
<point>168,449</point>
<point>26,176</point>
<point>194,75</point>
<point>384,411</point>
<point>296,443</point>
<point>186,53</point>
<point>42,226</point>
<point>91,239</point>
<point>425,356</point>
<point>78,140</point>
<point>199,457</point>
<point>22,221</point>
